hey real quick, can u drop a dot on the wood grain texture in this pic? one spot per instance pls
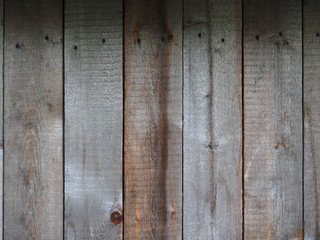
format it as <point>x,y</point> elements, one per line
<point>33,120</point>
<point>273,119</point>
<point>153,119</point>
<point>93,113</point>
<point>312,119</point>
<point>212,206</point>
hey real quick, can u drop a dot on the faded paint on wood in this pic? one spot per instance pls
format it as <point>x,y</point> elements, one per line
<point>33,120</point>
<point>212,120</point>
<point>153,119</point>
<point>273,119</point>
<point>93,113</point>
<point>312,119</point>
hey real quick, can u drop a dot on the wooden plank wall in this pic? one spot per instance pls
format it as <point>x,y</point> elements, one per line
<point>174,119</point>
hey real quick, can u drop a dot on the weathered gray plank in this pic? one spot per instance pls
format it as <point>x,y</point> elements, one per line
<point>212,206</point>
<point>273,119</point>
<point>33,120</point>
<point>153,119</point>
<point>312,119</point>
<point>93,114</point>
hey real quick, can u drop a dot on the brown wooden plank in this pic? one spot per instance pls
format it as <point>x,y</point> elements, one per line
<point>93,113</point>
<point>311,34</point>
<point>33,120</point>
<point>212,206</point>
<point>273,119</point>
<point>153,119</point>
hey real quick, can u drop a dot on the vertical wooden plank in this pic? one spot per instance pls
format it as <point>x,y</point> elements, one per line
<point>273,119</point>
<point>311,34</point>
<point>93,115</point>
<point>213,119</point>
<point>33,122</point>
<point>153,119</point>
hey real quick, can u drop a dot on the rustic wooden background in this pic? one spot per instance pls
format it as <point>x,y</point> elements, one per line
<point>200,119</point>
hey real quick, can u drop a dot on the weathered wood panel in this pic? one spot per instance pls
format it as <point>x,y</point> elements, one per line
<point>212,119</point>
<point>273,119</point>
<point>312,119</point>
<point>33,120</point>
<point>153,119</point>
<point>93,115</point>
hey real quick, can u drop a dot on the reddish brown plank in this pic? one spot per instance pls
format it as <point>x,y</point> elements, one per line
<point>153,119</point>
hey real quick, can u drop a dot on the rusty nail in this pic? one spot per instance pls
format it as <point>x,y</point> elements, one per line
<point>116,213</point>
<point>286,42</point>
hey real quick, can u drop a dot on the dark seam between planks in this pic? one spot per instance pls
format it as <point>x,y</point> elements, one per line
<point>302,108</point>
<point>3,74</point>
<point>123,115</point>
<point>182,118</point>
<point>63,117</point>
<point>242,113</point>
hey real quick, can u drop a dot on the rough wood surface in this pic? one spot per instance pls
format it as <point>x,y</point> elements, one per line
<point>312,119</point>
<point>212,207</point>
<point>153,119</point>
<point>33,120</point>
<point>93,113</point>
<point>273,119</point>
